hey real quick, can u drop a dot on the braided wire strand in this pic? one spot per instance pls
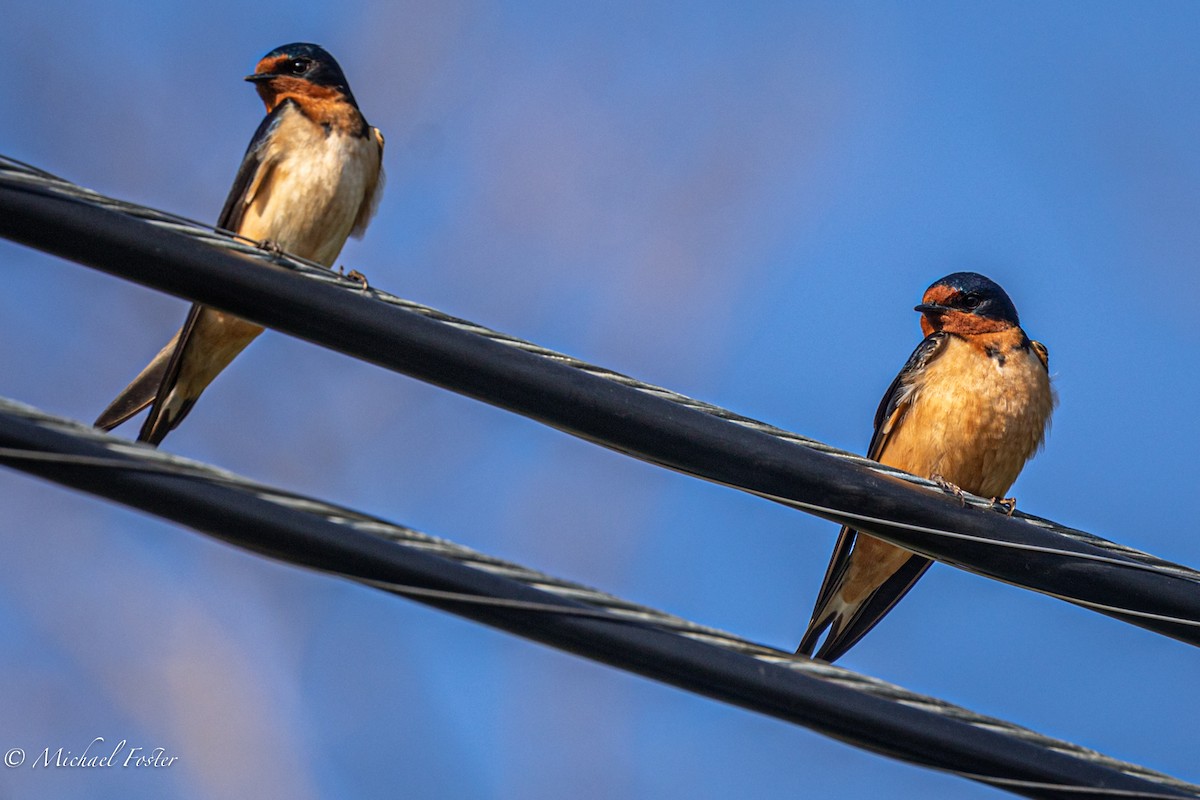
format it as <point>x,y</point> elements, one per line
<point>127,455</point>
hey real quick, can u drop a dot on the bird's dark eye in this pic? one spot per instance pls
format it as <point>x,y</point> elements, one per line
<point>971,300</point>
<point>298,66</point>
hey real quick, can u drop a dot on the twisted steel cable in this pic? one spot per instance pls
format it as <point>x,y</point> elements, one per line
<point>339,541</point>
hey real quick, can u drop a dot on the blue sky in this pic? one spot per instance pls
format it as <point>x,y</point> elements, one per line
<point>740,204</point>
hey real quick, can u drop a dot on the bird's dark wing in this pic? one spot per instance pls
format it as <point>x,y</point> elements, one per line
<point>251,173</point>
<point>373,192</point>
<point>896,399</point>
<point>847,628</point>
<point>155,382</point>
<point>1041,352</point>
<point>250,176</point>
<point>158,424</point>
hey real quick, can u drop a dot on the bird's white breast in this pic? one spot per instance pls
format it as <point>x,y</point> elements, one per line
<point>314,184</point>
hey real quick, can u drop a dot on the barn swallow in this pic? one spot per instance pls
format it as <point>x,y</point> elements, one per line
<point>969,408</point>
<point>310,178</point>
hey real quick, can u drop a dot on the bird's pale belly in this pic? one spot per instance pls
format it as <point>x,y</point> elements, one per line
<point>975,419</point>
<point>310,199</point>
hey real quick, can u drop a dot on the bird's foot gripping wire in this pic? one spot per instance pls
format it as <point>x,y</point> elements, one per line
<point>947,486</point>
<point>1009,504</point>
<point>355,275</point>
<point>270,246</point>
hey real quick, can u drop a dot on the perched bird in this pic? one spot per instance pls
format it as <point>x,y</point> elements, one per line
<point>310,178</point>
<point>970,407</point>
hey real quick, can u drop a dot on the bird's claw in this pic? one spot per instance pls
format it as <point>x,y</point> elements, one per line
<point>271,247</point>
<point>355,275</point>
<point>947,486</point>
<point>1009,504</point>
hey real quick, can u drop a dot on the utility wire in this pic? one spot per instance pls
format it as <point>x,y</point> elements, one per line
<point>656,425</point>
<point>304,531</point>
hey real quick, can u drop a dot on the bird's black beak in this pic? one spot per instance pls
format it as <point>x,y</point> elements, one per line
<point>259,77</point>
<point>931,308</point>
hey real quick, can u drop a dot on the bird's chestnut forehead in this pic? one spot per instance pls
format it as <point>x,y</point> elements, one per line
<point>270,64</point>
<point>939,294</point>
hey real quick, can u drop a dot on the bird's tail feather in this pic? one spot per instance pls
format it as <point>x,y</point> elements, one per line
<point>139,393</point>
<point>165,417</point>
<point>849,624</point>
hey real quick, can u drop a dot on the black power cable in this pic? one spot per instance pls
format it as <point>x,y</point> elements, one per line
<point>308,532</point>
<point>608,409</point>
